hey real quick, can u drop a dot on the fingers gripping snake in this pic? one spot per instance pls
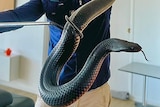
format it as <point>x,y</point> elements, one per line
<point>62,95</point>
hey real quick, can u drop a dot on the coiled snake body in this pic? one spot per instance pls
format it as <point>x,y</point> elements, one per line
<point>62,95</point>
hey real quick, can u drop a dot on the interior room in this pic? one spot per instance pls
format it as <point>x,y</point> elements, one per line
<point>134,78</point>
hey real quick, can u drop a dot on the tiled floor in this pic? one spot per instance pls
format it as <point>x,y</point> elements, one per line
<point>114,103</point>
<point>19,92</point>
<point>121,103</point>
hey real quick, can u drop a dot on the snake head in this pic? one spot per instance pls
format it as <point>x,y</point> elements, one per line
<point>132,47</point>
<point>126,46</point>
<point>123,45</point>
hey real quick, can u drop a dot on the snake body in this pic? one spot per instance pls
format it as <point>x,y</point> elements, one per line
<point>62,95</point>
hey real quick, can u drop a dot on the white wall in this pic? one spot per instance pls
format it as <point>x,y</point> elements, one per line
<point>30,43</point>
<point>120,23</point>
<point>143,18</point>
<point>147,33</point>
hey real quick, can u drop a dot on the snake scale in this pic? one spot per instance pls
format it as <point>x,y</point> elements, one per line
<point>62,95</point>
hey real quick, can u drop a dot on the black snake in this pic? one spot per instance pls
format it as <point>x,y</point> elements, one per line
<point>62,95</point>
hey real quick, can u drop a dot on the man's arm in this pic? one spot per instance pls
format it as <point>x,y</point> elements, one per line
<point>30,11</point>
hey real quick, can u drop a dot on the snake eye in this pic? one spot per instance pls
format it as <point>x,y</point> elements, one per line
<point>132,48</point>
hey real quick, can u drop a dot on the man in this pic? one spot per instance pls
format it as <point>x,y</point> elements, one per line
<point>97,30</point>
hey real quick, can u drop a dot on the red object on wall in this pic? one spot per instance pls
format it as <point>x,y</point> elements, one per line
<point>8,51</point>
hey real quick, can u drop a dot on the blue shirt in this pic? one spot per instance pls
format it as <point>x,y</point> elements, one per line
<point>97,30</point>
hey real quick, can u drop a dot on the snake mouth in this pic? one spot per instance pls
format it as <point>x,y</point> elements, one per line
<point>132,49</point>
